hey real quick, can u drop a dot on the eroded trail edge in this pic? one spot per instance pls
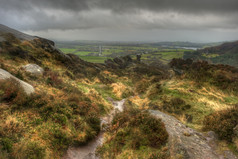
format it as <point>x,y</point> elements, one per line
<point>88,151</point>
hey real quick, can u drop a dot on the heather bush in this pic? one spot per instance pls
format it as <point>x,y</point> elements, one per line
<point>142,86</point>
<point>222,76</point>
<point>175,105</point>
<point>134,129</point>
<point>53,79</point>
<point>222,122</point>
<point>11,91</point>
<point>29,149</point>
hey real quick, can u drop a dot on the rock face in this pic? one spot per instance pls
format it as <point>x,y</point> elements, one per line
<point>187,143</point>
<point>119,62</point>
<point>4,75</point>
<point>33,69</point>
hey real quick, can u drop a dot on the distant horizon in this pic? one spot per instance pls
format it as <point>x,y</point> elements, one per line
<point>55,36</point>
<point>114,41</point>
<point>142,41</point>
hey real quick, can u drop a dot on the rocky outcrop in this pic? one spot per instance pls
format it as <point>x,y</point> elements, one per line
<point>4,75</point>
<point>187,143</point>
<point>119,62</point>
<point>33,69</point>
<point>49,46</point>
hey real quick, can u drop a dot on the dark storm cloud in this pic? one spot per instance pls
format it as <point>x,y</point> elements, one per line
<point>188,6</point>
<point>76,5</point>
<point>118,15</point>
<point>126,5</point>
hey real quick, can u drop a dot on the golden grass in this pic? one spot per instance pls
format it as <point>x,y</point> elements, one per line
<point>118,89</point>
<point>97,98</point>
<point>204,100</point>
<point>141,103</point>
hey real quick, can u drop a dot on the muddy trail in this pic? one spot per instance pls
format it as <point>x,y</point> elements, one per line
<point>88,151</point>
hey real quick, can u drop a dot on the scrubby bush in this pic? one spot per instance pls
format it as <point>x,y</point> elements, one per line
<point>53,79</point>
<point>29,150</point>
<point>175,105</point>
<point>222,122</point>
<point>11,91</point>
<point>134,129</point>
<point>60,138</point>
<point>154,91</point>
<point>224,77</point>
<point>142,86</point>
<point>6,144</point>
<point>127,93</point>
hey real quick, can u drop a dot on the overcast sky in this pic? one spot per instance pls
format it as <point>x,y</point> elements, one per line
<point>124,20</point>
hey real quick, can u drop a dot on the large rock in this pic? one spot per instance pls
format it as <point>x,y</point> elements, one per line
<point>187,143</point>
<point>4,75</point>
<point>119,62</point>
<point>33,69</point>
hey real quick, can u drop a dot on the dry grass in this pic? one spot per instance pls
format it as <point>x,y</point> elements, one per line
<point>118,89</point>
<point>203,100</point>
<point>141,103</point>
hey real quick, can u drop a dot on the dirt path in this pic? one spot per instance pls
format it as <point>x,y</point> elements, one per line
<point>88,151</point>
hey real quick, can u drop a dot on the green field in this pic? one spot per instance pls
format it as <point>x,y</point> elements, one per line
<point>67,50</point>
<point>150,53</point>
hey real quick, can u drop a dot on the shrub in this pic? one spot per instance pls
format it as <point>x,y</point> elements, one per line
<point>127,93</point>
<point>134,129</point>
<point>142,86</point>
<point>60,138</point>
<point>11,91</point>
<point>58,111</point>
<point>222,123</point>
<point>175,105</point>
<point>94,122</point>
<point>11,128</point>
<point>29,150</point>
<point>224,77</point>
<point>53,79</point>
<point>154,91</point>
<point>6,144</point>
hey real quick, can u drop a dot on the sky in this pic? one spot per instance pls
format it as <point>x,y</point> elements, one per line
<point>124,20</point>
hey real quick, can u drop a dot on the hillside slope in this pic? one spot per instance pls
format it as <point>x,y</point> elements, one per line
<point>226,53</point>
<point>71,96</point>
<point>21,36</point>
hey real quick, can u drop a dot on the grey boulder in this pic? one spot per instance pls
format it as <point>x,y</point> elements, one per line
<point>187,143</point>
<point>4,75</point>
<point>33,69</point>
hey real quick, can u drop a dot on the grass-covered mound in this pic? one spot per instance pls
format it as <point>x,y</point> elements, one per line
<point>224,77</point>
<point>43,125</point>
<point>135,134</point>
<point>69,99</point>
<point>224,124</point>
<point>223,54</point>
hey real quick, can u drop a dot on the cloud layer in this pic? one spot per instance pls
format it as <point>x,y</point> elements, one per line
<point>140,16</point>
